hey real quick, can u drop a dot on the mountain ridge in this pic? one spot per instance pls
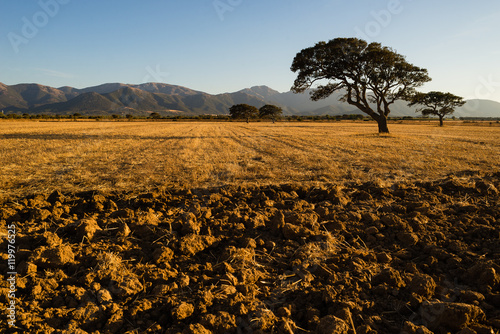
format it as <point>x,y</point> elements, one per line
<point>167,99</point>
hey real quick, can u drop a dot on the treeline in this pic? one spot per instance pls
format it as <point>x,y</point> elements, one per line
<point>480,119</point>
<point>288,118</point>
<point>158,117</point>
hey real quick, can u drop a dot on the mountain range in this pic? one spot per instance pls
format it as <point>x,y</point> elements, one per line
<point>166,99</point>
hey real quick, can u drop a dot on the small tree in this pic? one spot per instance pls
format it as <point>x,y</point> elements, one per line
<point>243,111</point>
<point>270,111</point>
<point>436,103</point>
<point>370,77</point>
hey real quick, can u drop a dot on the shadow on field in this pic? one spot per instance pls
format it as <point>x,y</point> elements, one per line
<point>372,135</point>
<point>51,136</point>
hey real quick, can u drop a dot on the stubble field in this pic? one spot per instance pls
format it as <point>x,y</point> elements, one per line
<point>156,227</point>
<point>74,156</point>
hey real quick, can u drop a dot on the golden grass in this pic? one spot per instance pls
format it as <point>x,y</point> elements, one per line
<point>74,156</point>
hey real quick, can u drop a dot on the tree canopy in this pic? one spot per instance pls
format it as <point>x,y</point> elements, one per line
<point>436,103</point>
<point>369,76</point>
<point>244,111</point>
<point>270,111</point>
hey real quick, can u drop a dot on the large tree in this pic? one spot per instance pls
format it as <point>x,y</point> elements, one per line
<point>369,76</point>
<point>436,103</point>
<point>270,111</point>
<point>243,111</point>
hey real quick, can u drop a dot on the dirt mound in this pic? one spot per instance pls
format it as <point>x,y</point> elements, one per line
<point>361,258</point>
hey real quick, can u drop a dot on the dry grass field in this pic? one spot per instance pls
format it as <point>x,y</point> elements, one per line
<point>73,156</point>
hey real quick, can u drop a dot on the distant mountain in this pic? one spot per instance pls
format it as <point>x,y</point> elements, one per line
<point>70,92</point>
<point>37,95</point>
<point>153,87</point>
<point>86,103</point>
<point>9,97</point>
<point>29,95</point>
<point>103,89</point>
<point>137,100</point>
<point>301,104</point>
<point>262,92</point>
<point>143,99</point>
<point>479,108</point>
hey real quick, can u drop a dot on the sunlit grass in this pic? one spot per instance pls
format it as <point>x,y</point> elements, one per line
<point>73,156</point>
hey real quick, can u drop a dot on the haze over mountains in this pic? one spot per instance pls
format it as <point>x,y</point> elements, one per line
<point>144,99</point>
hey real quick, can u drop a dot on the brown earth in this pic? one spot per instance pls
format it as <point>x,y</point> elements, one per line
<point>421,257</point>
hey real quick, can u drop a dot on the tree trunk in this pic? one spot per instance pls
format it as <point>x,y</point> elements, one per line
<point>441,120</point>
<point>382,124</point>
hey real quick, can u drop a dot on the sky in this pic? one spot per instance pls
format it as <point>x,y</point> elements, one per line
<point>219,46</point>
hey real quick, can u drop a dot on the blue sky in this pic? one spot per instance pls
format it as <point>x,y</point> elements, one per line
<point>226,45</point>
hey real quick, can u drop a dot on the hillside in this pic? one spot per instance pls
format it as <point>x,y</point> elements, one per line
<point>262,92</point>
<point>153,87</point>
<point>25,96</point>
<point>139,100</point>
<point>85,104</point>
<point>10,98</point>
<point>479,108</point>
<point>143,99</point>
